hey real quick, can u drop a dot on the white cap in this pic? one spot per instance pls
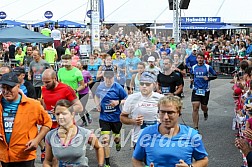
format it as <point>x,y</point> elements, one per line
<point>194,47</point>
<point>151,58</point>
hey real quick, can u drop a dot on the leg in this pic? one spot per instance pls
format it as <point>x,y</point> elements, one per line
<point>195,114</point>
<point>195,99</point>
<point>116,128</point>
<point>204,103</point>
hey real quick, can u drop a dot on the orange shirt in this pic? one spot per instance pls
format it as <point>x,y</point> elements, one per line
<point>30,113</point>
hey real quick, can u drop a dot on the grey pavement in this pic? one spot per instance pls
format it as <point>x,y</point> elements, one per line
<point>217,134</point>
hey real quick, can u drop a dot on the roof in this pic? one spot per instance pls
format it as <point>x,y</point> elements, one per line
<point>19,34</point>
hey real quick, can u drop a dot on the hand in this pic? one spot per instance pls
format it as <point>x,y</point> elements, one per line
<point>205,78</point>
<point>131,71</point>
<point>139,120</point>
<point>114,103</point>
<point>191,81</point>
<point>248,133</point>
<point>98,107</point>
<point>29,77</point>
<point>32,145</point>
<point>182,164</point>
<point>243,145</point>
<point>1,137</point>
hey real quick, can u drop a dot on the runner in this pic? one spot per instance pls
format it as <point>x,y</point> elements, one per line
<point>201,87</point>
<point>109,96</point>
<point>107,66</point>
<point>135,81</point>
<point>64,142</point>
<point>50,54</point>
<point>141,106</point>
<point>169,82</point>
<point>70,75</point>
<point>120,69</point>
<point>53,91</point>
<point>131,68</point>
<point>161,144</point>
<point>151,67</point>
<point>19,136</point>
<point>36,68</point>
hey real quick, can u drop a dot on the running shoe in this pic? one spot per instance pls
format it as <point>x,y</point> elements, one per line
<point>89,118</point>
<point>205,116</point>
<point>118,147</point>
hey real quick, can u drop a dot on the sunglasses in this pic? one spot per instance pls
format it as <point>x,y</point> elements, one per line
<point>145,83</point>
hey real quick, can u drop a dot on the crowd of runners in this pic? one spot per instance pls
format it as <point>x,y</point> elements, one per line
<point>134,79</point>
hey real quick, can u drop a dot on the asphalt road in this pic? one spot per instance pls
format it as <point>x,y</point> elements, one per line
<point>217,134</point>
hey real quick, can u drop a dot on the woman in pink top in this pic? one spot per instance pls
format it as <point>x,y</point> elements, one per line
<point>84,94</point>
<point>75,58</point>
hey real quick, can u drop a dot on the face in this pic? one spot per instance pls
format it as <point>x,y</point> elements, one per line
<point>168,115</point>
<point>140,68</point>
<point>78,65</point>
<point>151,64</point>
<point>63,116</point>
<point>66,62</point>
<point>167,65</point>
<point>36,55</point>
<point>108,61</point>
<point>29,50</point>
<point>146,88</point>
<point>200,59</point>
<point>109,81</point>
<point>49,82</point>
<point>176,57</point>
<point>10,93</point>
<point>19,51</point>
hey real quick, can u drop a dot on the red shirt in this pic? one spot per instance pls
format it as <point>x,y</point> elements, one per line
<point>62,91</point>
<point>207,56</point>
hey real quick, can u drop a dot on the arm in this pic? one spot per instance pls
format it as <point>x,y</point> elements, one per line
<point>201,163</point>
<point>137,163</point>
<point>82,86</point>
<point>90,80</point>
<point>99,73</point>
<point>132,81</point>
<point>179,90</point>
<point>77,106</point>
<point>48,157</point>
<point>97,103</point>
<point>98,149</point>
<point>124,117</point>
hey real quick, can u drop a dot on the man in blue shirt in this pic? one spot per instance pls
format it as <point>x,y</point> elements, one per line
<point>108,97</point>
<point>200,74</point>
<point>169,144</point>
<point>192,59</point>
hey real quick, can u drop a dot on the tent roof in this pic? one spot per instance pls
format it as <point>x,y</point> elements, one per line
<point>127,11</point>
<point>19,34</point>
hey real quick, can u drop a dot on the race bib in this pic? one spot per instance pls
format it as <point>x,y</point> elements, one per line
<point>52,116</point>
<point>26,69</point>
<point>8,124</point>
<point>165,90</point>
<point>38,76</point>
<point>200,92</point>
<point>108,108</point>
<point>147,123</point>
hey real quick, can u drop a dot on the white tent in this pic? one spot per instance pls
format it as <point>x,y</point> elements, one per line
<point>126,11</point>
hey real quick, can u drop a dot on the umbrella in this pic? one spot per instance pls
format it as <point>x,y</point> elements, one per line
<point>12,23</point>
<point>70,24</point>
<point>42,24</point>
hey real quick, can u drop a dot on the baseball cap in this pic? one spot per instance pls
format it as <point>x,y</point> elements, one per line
<point>19,70</point>
<point>148,77</point>
<point>108,73</point>
<point>151,58</point>
<point>194,47</point>
<point>10,79</point>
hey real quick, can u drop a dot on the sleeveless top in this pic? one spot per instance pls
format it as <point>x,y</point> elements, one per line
<point>137,84</point>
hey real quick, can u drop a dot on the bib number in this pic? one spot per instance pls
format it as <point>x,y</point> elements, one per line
<point>8,124</point>
<point>200,92</point>
<point>165,90</point>
<point>147,123</point>
<point>38,77</point>
<point>26,69</point>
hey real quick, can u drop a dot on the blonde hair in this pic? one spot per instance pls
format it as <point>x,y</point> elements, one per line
<point>173,100</point>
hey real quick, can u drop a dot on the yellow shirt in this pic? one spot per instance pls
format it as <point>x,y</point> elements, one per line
<point>123,56</point>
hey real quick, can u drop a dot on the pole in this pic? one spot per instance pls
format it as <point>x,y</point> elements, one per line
<point>91,32</point>
<point>176,21</point>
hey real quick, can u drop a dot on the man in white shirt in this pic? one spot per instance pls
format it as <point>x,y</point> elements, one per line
<point>56,35</point>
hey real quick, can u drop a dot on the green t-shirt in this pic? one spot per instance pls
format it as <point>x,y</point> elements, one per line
<point>70,77</point>
<point>20,58</point>
<point>46,32</point>
<point>173,46</point>
<point>67,51</point>
<point>138,53</point>
<point>50,55</point>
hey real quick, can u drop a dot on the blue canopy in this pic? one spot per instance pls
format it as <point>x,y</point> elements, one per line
<point>42,24</point>
<point>19,34</point>
<point>70,24</point>
<point>12,23</point>
<point>198,26</point>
